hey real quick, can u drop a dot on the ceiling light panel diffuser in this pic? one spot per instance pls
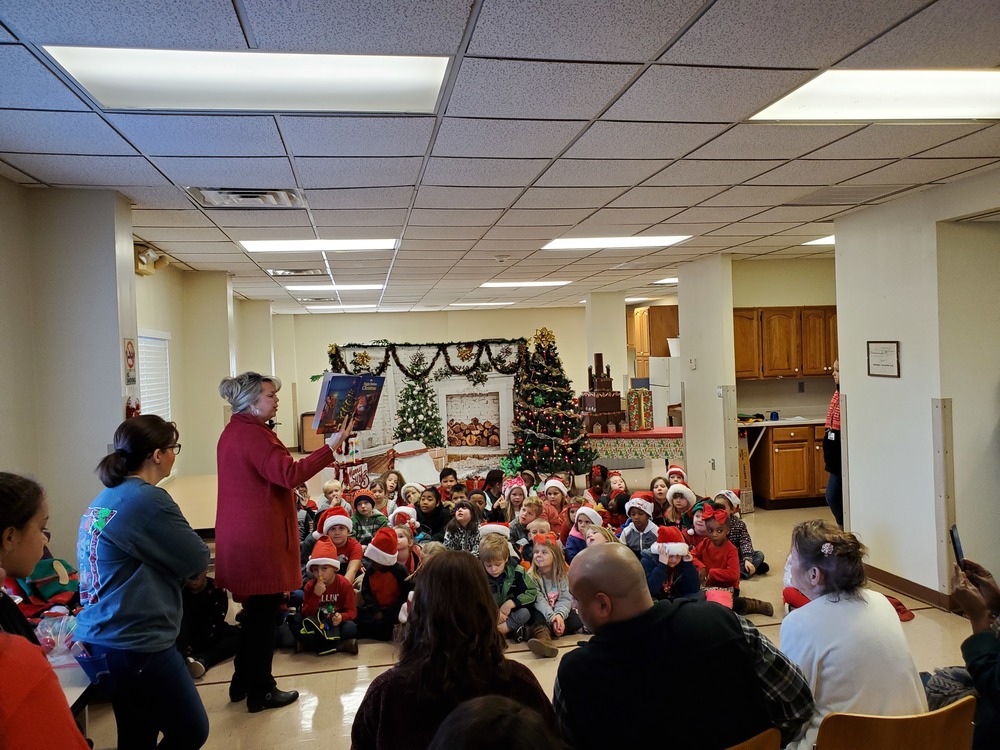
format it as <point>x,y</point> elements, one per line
<point>599,243</point>
<point>315,246</point>
<point>520,284</point>
<point>122,78</point>
<point>867,95</point>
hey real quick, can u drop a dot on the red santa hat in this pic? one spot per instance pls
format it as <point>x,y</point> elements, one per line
<point>593,515</point>
<point>732,496</point>
<point>557,483</point>
<point>383,547</point>
<point>675,469</point>
<point>639,501</point>
<point>335,516</point>
<point>324,553</point>
<point>405,514</point>
<point>503,529</point>
<point>681,489</point>
<point>669,541</point>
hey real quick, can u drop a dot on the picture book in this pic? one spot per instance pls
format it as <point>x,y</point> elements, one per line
<point>341,395</point>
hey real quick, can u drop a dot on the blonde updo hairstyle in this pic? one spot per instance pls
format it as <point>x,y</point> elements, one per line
<point>839,554</point>
<point>243,390</point>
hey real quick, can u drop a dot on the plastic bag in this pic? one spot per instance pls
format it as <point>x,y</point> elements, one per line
<point>55,634</point>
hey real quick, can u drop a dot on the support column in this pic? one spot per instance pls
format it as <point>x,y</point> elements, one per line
<point>283,329</point>
<point>606,333</point>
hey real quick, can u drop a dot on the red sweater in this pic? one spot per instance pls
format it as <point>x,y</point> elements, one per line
<point>558,519</point>
<point>722,563</point>
<point>339,593</point>
<point>256,524</point>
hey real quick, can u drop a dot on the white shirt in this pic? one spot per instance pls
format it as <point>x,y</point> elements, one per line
<point>855,659</point>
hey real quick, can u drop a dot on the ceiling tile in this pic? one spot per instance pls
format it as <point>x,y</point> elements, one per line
<point>596,172</point>
<point>670,227</point>
<point>6,36</point>
<point>274,233</point>
<point>535,90</point>
<point>757,141</point>
<point>765,196</point>
<point>160,218</point>
<point>710,172</point>
<point>444,217</point>
<point>817,171</point>
<point>917,171</point>
<point>641,140</point>
<point>357,136</point>
<point>650,197</point>
<point>783,33</point>
<point>180,234</point>
<point>892,141</point>
<point>520,217</point>
<point>443,233</point>
<point>699,215</point>
<point>459,136</point>
<point>283,217</point>
<point>631,215</point>
<point>525,233</point>
<point>680,94</point>
<point>319,172</point>
<point>386,197</point>
<point>16,176</point>
<point>434,245</point>
<point>756,229</point>
<point>508,246</point>
<point>374,27</point>
<point>823,229</point>
<point>201,135</point>
<point>947,34</point>
<point>199,24</point>
<point>195,248</point>
<point>28,84</point>
<point>157,197</point>
<point>430,196</point>
<point>579,29</point>
<point>208,172</point>
<point>540,197</point>
<point>107,171</point>
<point>487,172</point>
<point>797,213</point>
<point>359,217</point>
<point>984,143</point>
<point>598,229</point>
<point>59,133</point>
<point>358,233</point>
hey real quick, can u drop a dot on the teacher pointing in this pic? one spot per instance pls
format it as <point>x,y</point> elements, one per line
<point>256,528</point>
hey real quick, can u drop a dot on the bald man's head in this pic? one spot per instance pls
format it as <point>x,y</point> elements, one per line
<point>609,585</point>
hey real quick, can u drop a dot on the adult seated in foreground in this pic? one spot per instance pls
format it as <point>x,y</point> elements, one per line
<point>639,648</point>
<point>847,640</point>
<point>451,651</point>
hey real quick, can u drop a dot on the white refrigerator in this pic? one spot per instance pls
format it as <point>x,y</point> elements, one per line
<point>665,386</point>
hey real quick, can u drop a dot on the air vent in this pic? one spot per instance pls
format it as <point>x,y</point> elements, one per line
<point>292,272</point>
<point>229,198</point>
<point>311,300</point>
<point>845,195</point>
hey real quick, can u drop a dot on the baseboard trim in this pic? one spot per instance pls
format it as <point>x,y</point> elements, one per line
<point>908,587</point>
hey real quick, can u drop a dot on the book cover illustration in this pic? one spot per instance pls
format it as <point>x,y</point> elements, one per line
<point>341,395</point>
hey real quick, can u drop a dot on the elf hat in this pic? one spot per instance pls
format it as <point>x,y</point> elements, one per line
<point>730,495</point>
<point>335,516</point>
<point>383,547</point>
<point>324,553</point>
<point>415,485</point>
<point>588,512</point>
<point>405,515</point>
<point>681,489</point>
<point>557,483</point>
<point>670,541</point>
<point>512,482</point>
<point>675,469</point>
<point>640,502</point>
<point>503,529</point>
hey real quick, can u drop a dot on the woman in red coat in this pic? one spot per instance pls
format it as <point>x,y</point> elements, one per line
<point>256,528</point>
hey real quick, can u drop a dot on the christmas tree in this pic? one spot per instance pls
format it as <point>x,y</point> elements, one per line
<point>548,432</point>
<point>418,417</point>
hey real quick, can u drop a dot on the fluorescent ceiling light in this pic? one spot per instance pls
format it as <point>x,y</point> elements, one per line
<point>340,307</point>
<point>121,78</point>
<point>598,243</point>
<point>670,280</point>
<point>479,304</point>
<point>583,302</point>
<point>312,246</point>
<point>892,95</point>
<point>630,300</point>
<point>517,284</point>
<point>821,241</point>
<point>333,287</point>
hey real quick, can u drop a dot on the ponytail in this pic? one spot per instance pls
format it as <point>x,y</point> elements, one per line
<point>135,441</point>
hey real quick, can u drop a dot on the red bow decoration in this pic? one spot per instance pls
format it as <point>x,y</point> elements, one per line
<point>720,516</point>
<point>549,538</point>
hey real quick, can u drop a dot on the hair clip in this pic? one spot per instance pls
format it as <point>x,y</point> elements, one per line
<point>827,549</point>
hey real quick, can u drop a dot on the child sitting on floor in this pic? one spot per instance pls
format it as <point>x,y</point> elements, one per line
<point>661,505</point>
<point>536,527</point>
<point>507,506</point>
<point>380,494</point>
<point>531,509</point>
<point>411,493</point>
<point>670,571</point>
<point>432,516</point>
<point>478,498</point>
<point>333,495</point>
<point>326,623</point>
<point>462,531</point>
<point>751,560</point>
<point>408,552</point>
<point>681,511</point>
<point>458,494</point>
<point>307,511</point>
<point>596,481</point>
<point>448,479</point>
<point>640,534</point>
<point>555,616</point>
<point>366,519</point>
<point>576,542</point>
<point>675,474</point>
<point>336,524</point>
<point>383,589</point>
<point>513,591</point>
<point>205,638</point>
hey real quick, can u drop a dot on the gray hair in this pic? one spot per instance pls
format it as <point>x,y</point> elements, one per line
<point>243,390</point>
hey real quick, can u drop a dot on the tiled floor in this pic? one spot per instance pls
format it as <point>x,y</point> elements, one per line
<point>331,687</point>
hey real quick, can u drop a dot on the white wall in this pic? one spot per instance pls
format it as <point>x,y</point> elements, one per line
<point>788,282</point>
<point>888,289</point>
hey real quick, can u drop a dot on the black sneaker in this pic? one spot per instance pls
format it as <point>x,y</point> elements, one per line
<point>763,568</point>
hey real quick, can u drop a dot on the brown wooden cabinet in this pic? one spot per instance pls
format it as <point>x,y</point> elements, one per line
<point>819,464</point>
<point>785,467</point>
<point>647,330</point>
<point>784,342</point>
<point>746,338</point>
<point>781,350</point>
<point>819,340</point>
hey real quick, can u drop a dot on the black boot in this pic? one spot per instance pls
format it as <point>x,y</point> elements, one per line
<point>275,699</point>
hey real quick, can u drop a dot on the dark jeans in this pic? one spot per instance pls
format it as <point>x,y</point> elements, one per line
<point>756,560</point>
<point>835,498</point>
<point>258,628</point>
<point>153,693</point>
<point>219,648</point>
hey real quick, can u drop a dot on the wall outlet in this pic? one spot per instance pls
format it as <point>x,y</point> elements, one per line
<point>802,387</point>
<point>693,363</point>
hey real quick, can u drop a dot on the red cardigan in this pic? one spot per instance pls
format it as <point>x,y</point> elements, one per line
<point>723,563</point>
<point>256,523</point>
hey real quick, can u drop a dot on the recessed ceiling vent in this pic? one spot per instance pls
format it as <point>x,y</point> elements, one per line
<point>296,272</point>
<point>845,195</point>
<point>253,198</point>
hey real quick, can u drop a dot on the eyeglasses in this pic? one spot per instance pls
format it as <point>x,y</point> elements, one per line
<point>175,448</point>
<point>48,535</point>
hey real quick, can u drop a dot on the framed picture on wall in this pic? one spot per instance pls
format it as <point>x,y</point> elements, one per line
<point>883,359</point>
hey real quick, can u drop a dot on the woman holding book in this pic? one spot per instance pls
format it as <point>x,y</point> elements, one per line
<point>256,528</point>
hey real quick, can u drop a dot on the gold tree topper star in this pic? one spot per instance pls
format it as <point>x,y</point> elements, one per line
<point>544,338</point>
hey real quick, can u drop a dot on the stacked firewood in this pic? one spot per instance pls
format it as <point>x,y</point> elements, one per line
<point>473,434</point>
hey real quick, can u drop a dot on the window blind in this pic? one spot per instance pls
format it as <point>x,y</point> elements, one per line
<point>154,376</point>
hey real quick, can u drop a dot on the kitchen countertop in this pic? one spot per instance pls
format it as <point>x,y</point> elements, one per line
<point>783,423</point>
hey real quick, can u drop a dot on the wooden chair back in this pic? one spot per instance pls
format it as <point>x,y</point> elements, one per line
<point>945,729</point>
<point>769,739</point>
